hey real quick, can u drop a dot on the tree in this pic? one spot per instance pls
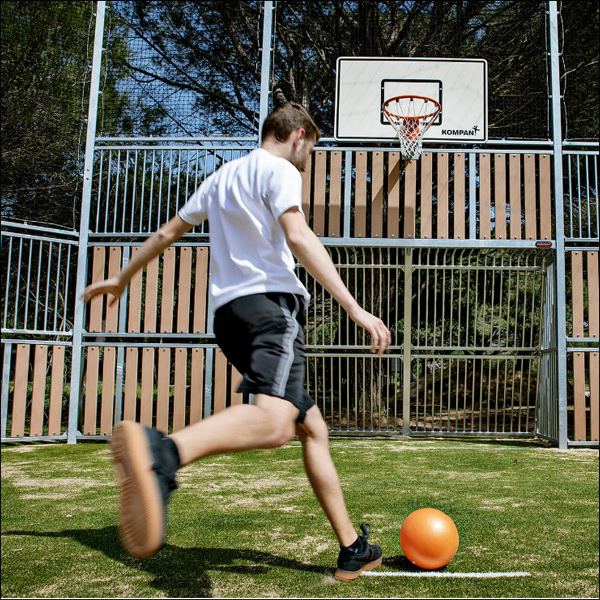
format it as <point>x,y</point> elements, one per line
<point>46,65</point>
<point>208,52</point>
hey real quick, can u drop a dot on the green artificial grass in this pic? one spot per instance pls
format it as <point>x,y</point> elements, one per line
<point>248,525</point>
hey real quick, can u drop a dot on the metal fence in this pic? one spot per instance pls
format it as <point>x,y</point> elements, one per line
<point>483,263</point>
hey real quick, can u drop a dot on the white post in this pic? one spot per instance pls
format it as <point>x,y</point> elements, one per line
<point>265,69</point>
<point>78,320</point>
<point>561,320</point>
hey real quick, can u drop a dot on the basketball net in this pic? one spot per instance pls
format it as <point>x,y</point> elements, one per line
<point>411,117</point>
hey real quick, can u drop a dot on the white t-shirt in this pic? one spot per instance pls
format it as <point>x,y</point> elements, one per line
<point>243,201</point>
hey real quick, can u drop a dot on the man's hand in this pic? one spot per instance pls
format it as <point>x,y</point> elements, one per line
<point>150,249</point>
<point>112,286</point>
<point>380,334</point>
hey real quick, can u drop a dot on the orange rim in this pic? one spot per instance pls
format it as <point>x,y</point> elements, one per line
<point>418,118</point>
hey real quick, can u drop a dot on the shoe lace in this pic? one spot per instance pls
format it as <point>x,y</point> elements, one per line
<point>365,528</point>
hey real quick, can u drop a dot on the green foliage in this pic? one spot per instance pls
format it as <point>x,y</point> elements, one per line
<point>46,66</point>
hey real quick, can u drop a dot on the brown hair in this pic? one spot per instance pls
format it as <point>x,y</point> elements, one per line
<point>287,118</point>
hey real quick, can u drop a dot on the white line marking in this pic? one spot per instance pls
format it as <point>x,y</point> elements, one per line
<point>438,574</point>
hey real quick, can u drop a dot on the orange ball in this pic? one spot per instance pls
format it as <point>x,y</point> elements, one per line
<point>429,538</point>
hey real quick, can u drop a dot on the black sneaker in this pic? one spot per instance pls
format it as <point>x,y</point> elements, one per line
<point>352,563</point>
<point>145,463</point>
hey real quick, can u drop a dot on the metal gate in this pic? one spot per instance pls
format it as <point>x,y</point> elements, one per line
<point>469,330</point>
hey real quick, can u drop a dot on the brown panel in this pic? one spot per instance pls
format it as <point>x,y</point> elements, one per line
<point>530,197</point>
<point>545,198</point>
<point>20,391</point>
<point>112,312</point>
<point>443,206</point>
<point>180,388</point>
<point>485,198</point>
<point>91,391</point>
<point>95,306</point>
<point>514,173</point>
<point>135,299</point>
<point>500,196</point>
<point>201,290</point>
<point>184,289</point>
<point>131,384</point>
<point>108,391</point>
<point>410,199</point>
<point>335,195</point>
<point>579,396</point>
<point>56,390</point>
<point>236,379</point>
<point>196,385</point>
<point>459,196</point>
<point>147,387</point>
<point>593,293</point>
<point>163,381</point>
<point>38,392</point>
<point>168,291</point>
<point>220,387</point>
<point>577,286</point>
<point>426,195</point>
<point>360,195</point>
<point>320,183</point>
<point>306,177</point>
<point>393,215</point>
<point>377,195</point>
<point>594,395</point>
<point>151,297</point>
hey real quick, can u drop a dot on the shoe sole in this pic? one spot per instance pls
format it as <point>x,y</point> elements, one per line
<point>142,520</point>
<point>341,575</point>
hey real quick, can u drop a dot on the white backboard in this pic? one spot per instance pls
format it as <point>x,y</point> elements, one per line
<point>364,83</point>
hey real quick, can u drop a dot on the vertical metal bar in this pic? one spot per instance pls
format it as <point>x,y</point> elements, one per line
<point>56,293</point>
<point>144,169</point>
<point>265,68</point>
<point>5,387</point>
<point>108,175</point>
<point>588,189</point>
<point>7,280</point>
<point>78,319</point>
<point>133,190</point>
<point>37,287</point>
<point>48,271</point>
<point>67,272</point>
<point>18,282</point>
<point>121,328</point>
<point>472,196</point>
<point>561,311</point>
<point>151,195</point>
<point>99,200</point>
<point>159,221</point>
<point>406,346</point>
<point>28,285</point>
<point>210,357</point>
<point>347,192</point>
<point>125,194</point>
<point>117,183</point>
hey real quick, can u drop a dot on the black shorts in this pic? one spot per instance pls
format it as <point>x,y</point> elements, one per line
<point>262,335</point>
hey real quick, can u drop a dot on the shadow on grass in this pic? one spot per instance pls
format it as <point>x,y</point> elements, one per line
<point>180,572</point>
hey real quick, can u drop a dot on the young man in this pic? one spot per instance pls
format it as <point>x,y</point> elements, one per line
<point>254,207</point>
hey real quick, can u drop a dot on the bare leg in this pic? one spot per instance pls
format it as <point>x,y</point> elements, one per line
<point>268,423</point>
<point>323,475</point>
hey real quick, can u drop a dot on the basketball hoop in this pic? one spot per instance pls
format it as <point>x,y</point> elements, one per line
<point>411,117</point>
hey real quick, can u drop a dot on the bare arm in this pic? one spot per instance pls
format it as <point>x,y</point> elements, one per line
<point>308,249</point>
<point>152,247</point>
